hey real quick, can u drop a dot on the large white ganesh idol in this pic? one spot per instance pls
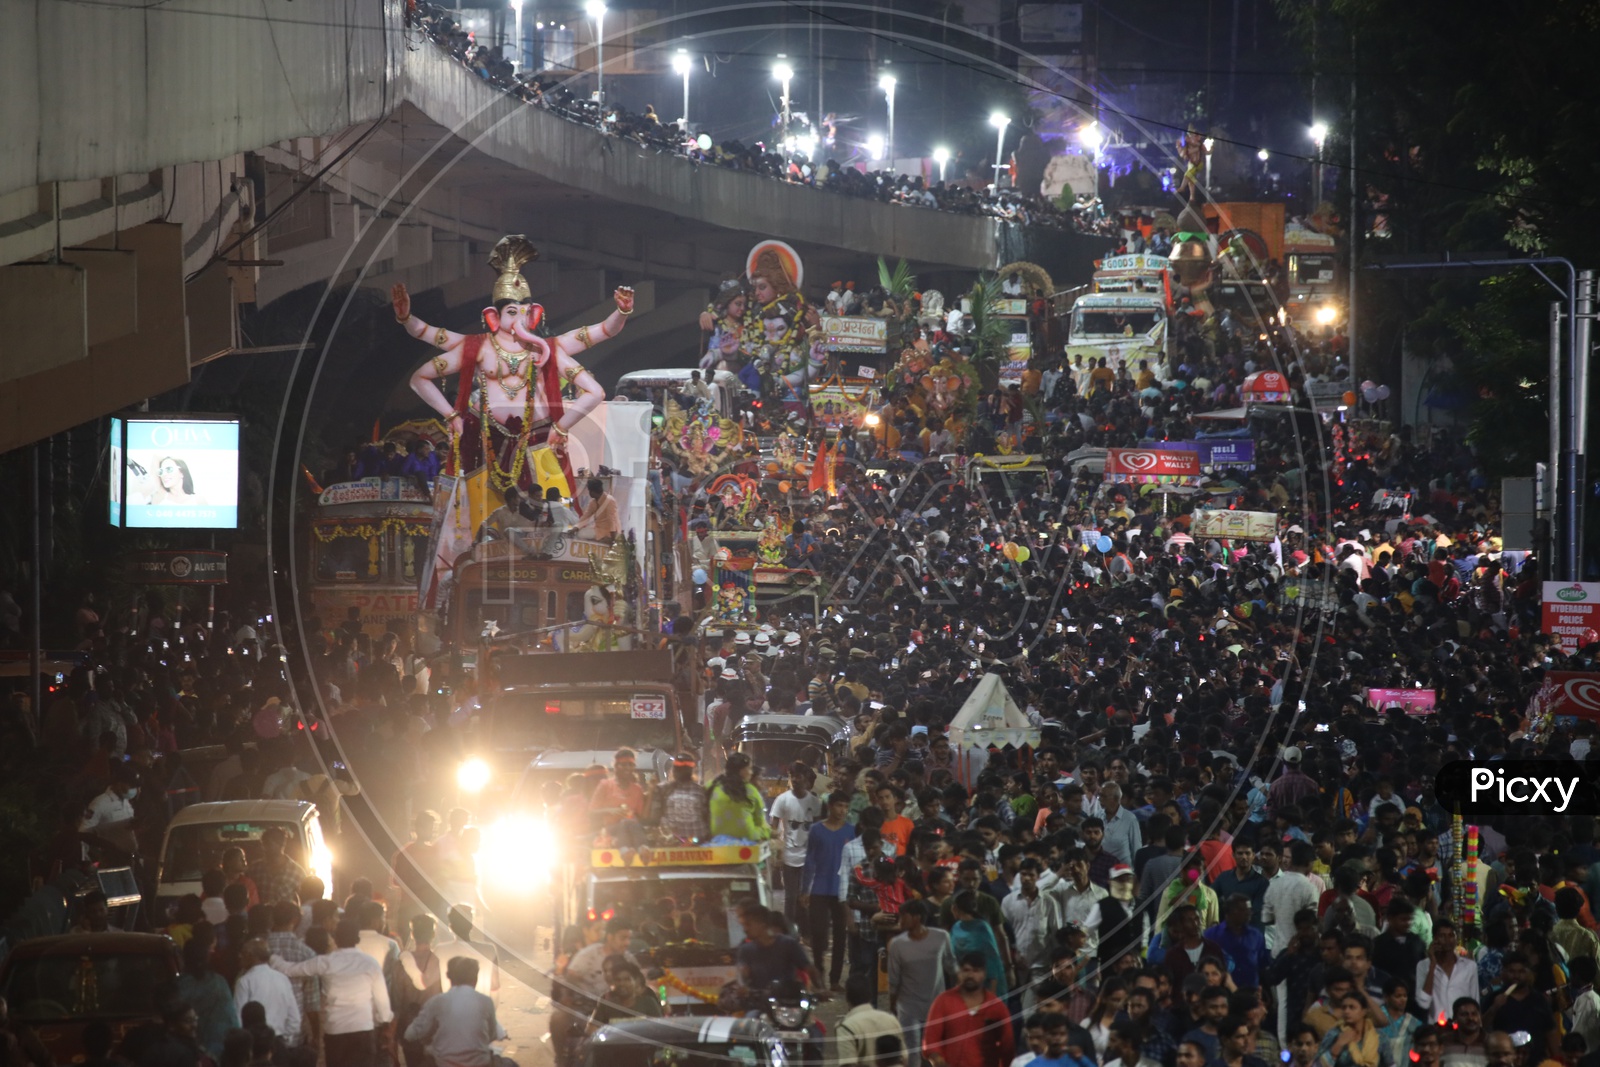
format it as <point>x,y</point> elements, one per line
<point>509,398</point>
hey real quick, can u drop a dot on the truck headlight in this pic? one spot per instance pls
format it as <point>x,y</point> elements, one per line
<point>519,853</point>
<point>472,775</point>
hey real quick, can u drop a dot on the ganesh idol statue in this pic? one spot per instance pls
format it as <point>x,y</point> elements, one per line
<point>776,330</point>
<point>508,403</point>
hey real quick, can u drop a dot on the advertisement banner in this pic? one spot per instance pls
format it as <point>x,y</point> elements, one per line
<point>1238,454</point>
<point>1135,464</point>
<point>114,477</point>
<point>1234,453</point>
<point>1016,363</point>
<point>1577,694</point>
<point>1412,701</point>
<point>374,490</point>
<point>836,406</point>
<point>1237,525</point>
<point>200,567</point>
<point>1570,610</point>
<point>181,472</point>
<point>854,333</point>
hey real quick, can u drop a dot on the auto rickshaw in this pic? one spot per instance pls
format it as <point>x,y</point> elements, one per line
<point>775,742</point>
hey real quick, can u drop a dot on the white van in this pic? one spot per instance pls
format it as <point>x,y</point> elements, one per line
<point>200,833</point>
<point>654,384</point>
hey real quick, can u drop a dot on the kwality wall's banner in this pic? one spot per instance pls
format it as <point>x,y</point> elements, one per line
<point>1411,701</point>
<point>1570,610</point>
<point>1238,453</point>
<point>1238,525</point>
<point>1577,694</point>
<point>1152,465</point>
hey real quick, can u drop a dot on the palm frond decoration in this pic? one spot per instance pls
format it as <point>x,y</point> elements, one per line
<point>988,332</point>
<point>899,283</point>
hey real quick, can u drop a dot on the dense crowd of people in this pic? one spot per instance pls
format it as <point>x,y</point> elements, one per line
<point>549,90</point>
<point>1223,848</point>
<point>1216,847</point>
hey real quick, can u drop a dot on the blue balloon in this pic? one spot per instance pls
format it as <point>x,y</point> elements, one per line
<point>1104,544</point>
<point>700,576</point>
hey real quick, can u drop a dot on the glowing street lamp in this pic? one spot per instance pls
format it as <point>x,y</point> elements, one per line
<point>516,56</point>
<point>785,74</point>
<point>887,83</point>
<point>941,156</point>
<point>999,120</point>
<point>682,64</point>
<point>596,9</point>
<point>1092,137</point>
<point>875,146</point>
<point>1209,144</point>
<point>1319,136</point>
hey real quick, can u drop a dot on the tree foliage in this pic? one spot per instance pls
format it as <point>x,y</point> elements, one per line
<point>1475,129</point>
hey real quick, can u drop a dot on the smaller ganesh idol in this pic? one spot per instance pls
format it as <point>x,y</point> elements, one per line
<point>726,329</point>
<point>509,399</point>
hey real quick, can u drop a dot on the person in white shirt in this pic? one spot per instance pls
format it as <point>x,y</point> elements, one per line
<point>1444,976</point>
<point>1123,837</point>
<point>355,999</point>
<point>109,816</point>
<point>384,950</point>
<point>459,1026</point>
<point>461,946</point>
<point>793,812</point>
<point>1288,891</point>
<point>273,991</point>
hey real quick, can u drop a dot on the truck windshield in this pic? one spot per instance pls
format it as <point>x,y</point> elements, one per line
<point>773,757</point>
<point>581,721</point>
<point>1119,322</point>
<point>198,847</point>
<point>703,902</point>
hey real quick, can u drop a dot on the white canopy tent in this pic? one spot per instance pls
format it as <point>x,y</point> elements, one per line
<point>989,717</point>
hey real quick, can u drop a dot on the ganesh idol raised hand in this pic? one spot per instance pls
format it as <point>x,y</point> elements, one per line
<point>516,374</point>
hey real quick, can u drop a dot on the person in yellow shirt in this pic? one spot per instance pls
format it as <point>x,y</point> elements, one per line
<point>1146,378</point>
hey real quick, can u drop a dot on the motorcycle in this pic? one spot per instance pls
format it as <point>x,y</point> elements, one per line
<point>787,1006</point>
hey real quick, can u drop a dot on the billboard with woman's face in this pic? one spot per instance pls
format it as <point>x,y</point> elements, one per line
<point>177,472</point>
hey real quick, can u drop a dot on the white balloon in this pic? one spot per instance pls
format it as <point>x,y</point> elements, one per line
<point>1370,392</point>
<point>1383,392</point>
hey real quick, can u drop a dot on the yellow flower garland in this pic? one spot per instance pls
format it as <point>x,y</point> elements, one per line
<point>327,533</point>
<point>684,987</point>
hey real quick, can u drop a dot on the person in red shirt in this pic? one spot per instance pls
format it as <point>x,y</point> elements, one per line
<point>896,827</point>
<point>968,1026</point>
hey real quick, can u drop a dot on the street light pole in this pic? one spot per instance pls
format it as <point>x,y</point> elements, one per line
<point>887,83</point>
<point>516,56</point>
<point>1319,134</point>
<point>999,121</point>
<point>596,10</point>
<point>784,73</point>
<point>682,64</point>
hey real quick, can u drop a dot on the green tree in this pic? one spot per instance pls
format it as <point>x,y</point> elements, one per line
<point>1474,123</point>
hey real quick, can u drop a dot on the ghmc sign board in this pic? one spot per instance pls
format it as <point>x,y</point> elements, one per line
<point>1571,611</point>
